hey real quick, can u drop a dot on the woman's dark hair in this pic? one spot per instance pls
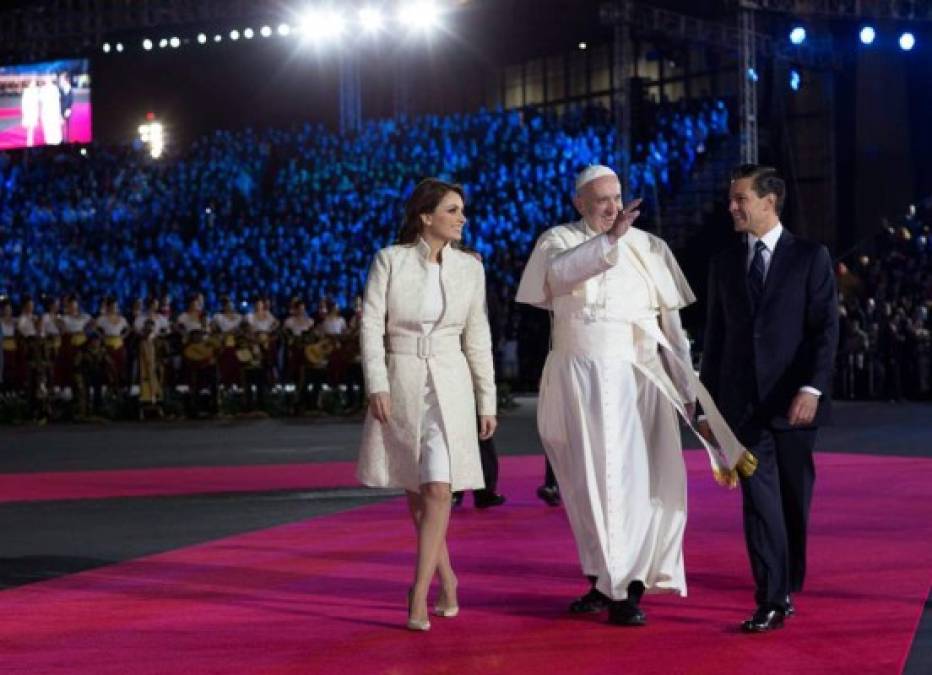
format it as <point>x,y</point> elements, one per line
<point>425,198</point>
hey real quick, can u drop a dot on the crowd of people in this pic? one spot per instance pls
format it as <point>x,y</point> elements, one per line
<point>299,213</point>
<point>65,363</point>
<point>885,349</point>
<point>280,214</point>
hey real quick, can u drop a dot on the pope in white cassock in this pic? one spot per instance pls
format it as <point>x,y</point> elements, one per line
<point>618,372</point>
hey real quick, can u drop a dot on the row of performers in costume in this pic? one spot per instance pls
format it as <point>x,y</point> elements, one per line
<point>53,351</point>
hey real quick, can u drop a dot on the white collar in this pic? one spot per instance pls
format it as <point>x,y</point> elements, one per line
<point>423,248</point>
<point>770,239</point>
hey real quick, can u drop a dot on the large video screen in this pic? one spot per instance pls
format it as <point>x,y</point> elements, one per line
<point>46,103</point>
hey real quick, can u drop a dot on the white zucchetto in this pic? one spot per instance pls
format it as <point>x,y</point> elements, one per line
<point>590,173</point>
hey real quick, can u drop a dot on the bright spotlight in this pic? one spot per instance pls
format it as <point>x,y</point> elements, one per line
<point>248,33</point>
<point>119,46</point>
<point>201,39</point>
<point>218,37</point>
<point>795,80</point>
<point>152,134</point>
<point>106,47</point>
<point>798,35</point>
<point>907,41</point>
<point>867,35</point>
<point>163,43</point>
<point>371,19</point>
<point>234,35</point>
<point>752,75</point>
<point>147,44</point>
<point>322,25</point>
<point>175,43</point>
<point>583,46</point>
<point>422,15</point>
<point>284,29</point>
<point>265,31</point>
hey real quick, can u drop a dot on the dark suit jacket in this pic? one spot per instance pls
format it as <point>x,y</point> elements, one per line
<point>754,363</point>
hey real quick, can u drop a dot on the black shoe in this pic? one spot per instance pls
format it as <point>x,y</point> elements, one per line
<point>626,613</point>
<point>485,501</point>
<point>593,601</point>
<point>790,610</point>
<point>766,618</point>
<point>457,499</point>
<point>549,494</point>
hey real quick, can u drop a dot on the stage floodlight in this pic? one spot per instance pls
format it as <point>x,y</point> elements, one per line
<point>867,35</point>
<point>798,35</point>
<point>218,37</point>
<point>201,39</point>
<point>175,43</point>
<point>370,18</point>
<point>421,15</point>
<point>907,41</point>
<point>248,33</point>
<point>234,35</point>
<point>583,46</point>
<point>106,47</point>
<point>119,46</point>
<point>284,29</point>
<point>322,25</point>
<point>147,44</point>
<point>265,31</point>
<point>795,80</point>
<point>163,43</point>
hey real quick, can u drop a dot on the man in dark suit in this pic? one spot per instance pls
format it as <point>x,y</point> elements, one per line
<point>770,341</point>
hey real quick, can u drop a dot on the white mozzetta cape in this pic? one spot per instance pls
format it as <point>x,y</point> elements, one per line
<point>582,280</point>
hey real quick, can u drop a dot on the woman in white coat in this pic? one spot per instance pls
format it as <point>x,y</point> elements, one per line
<point>427,361</point>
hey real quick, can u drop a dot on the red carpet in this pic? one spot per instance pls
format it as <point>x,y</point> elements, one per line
<point>14,136</point>
<point>19,487</point>
<point>327,595</point>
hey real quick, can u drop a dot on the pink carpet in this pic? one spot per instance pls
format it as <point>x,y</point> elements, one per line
<point>79,131</point>
<point>19,487</point>
<point>327,595</point>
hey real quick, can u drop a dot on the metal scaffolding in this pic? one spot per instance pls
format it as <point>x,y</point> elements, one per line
<point>350,94</point>
<point>622,56</point>
<point>747,86</point>
<point>69,27</point>
<point>911,10</point>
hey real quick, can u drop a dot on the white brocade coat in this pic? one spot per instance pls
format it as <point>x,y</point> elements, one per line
<point>462,376</point>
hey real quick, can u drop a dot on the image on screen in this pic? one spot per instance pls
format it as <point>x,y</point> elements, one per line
<point>46,103</point>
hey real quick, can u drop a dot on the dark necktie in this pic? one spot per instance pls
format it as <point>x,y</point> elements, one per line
<point>756,274</point>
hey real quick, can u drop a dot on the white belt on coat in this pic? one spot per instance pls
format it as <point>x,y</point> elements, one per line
<point>424,346</point>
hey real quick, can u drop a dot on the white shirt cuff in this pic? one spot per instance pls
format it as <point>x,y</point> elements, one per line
<point>811,390</point>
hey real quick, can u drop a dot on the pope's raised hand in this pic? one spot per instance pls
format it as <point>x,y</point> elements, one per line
<point>624,220</point>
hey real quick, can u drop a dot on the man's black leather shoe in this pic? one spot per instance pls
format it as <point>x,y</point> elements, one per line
<point>485,501</point>
<point>765,619</point>
<point>457,499</point>
<point>790,610</point>
<point>551,495</point>
<point>593,601</point>
<point>626,613</point>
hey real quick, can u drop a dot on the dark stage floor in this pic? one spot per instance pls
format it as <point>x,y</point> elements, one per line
<point>46,539</point>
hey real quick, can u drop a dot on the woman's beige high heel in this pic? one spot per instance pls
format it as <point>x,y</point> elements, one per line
<point>448,612</point>
<point>412,623</point>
